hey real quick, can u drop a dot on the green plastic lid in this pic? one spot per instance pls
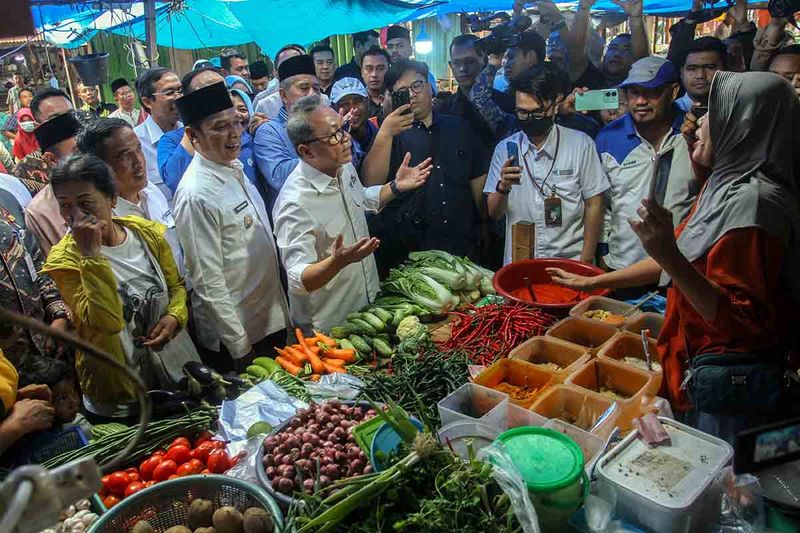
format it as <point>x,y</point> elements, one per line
<point>546,459</point>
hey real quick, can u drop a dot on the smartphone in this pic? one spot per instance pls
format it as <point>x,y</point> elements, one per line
<point>699,111</point>
<point>513,151</point>
<point>399,98</point>
<point>597,100</point>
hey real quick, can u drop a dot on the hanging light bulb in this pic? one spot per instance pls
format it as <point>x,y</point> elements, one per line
<point>423,44</point>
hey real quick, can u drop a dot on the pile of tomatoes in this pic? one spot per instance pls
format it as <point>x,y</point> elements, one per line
<point>181,458</point>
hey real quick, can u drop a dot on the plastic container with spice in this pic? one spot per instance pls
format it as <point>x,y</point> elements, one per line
<point>626,348</point>
<point>558,357</point>
<point>652,321</point>
<point>605,310</point>
<point>472,403</point>
<point>581,408</point>
<point>669,488</point>
<point>590,334</point>
<point>520,380</point>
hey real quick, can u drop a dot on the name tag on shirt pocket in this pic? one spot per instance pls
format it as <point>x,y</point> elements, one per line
<point>241,207</point>
<point>31,267</point>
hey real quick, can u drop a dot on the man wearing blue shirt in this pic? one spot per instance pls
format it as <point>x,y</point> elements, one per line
<point>275,155</point>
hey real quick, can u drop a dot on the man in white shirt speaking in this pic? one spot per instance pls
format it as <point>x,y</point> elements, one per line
<point>319,218</point>
<point>240,309</point>
<point>547,175</point>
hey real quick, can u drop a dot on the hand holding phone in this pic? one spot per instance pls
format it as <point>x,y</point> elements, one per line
<point>597,100</point>
<point>510,173</point>
<point>401,97</point>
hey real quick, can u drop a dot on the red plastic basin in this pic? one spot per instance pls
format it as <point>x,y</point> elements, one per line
<point>509,282</point>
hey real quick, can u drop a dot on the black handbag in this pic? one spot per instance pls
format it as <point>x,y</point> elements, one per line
<point>738,383</point>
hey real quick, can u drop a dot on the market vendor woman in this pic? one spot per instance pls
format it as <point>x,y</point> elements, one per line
<point>119,278</point>
<point>734,263</point>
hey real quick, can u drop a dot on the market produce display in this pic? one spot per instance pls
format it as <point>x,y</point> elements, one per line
<point>489,332</point>
<point>74,519</point>
<point>316,448</point>
<point>181,458</point>
<point>605,316</point>
<point>640,363</point>
<point>204,518</point>
<point>547,293</point>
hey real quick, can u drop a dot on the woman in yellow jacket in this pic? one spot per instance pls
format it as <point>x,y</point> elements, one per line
<point>118,276</point>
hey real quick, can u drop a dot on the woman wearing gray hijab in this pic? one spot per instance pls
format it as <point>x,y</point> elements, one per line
<point>733,265</point>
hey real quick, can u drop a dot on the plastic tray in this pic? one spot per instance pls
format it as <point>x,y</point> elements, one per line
<point>668,489</point>
<point>591,335</point>
<point>593,303</point>
<point>625,379</point>
<point>569,400</point>
<point>570,357</point>
<point>460,436</point>
<point>515,372</point>
<point>627,344</point>
<point>520,417</point>
<point>473,403</point>
<point>652,321</point>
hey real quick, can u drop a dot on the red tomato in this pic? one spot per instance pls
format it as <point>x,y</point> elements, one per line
<point>117,482</point>
<point>202,437</point>
<point>134,476</point>
<point>186,469</point>
<point>198,465</point>
<point>134,487</point>
<point>179,453</point>
<point>165,469</point>
<point>149,483</point>
<point>110,501</point>
<point>104,481</point>
<point>147,467</point>
<point>174,476</point>
<point>160,451</point>
<point>218,444</point>
<point>202,451</point>
<point>205,471</point>
<point>180,441</point>
<point>218,461</point>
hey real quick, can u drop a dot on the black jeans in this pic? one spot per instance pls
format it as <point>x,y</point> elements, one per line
<point>222,361</point>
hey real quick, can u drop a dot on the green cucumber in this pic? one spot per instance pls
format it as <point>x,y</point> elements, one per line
<point>259,372</point>
<point>383,348</point>
<point>360,344</point>
<point>383,336</point>
<point>341,332</point>
<point>345,344</point>
<point>351,316</point>
<point>374,321</point>
<point>398,317</point>
<point>268,364</point>
<point>363,327</point>
<point>383,314</point>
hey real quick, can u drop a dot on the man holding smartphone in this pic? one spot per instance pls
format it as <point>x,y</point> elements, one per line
<point>444,214</point>
<point>547,174</point>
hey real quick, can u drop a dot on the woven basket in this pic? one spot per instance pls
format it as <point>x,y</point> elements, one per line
<point>167,504</point>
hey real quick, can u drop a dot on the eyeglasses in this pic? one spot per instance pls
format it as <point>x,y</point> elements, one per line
<point>415,87</point>
<point>524,114</point>
<point>170,93</point>
<point>337,137</point>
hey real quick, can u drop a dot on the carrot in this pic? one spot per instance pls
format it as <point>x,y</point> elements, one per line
<point>314,377</point>
<point>287,365</point>
<point>331,369</point>
<point>316,363</point>
<point>325,339</point>
<point>311,341</point>
<point>348,356</point>
<point>334,362</point>
<point>290,356</point>
<point>314,349</point>
<point>298,356</point>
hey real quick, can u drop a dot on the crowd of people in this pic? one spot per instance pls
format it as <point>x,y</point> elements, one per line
<point>232,205</point>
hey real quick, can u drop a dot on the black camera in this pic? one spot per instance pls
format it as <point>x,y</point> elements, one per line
<point>504,34</point>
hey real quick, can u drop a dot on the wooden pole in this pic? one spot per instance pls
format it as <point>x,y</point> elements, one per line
<point>150,31</point>
<point>69,78</point>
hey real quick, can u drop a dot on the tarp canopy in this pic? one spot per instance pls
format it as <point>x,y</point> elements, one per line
<point>269,23</point>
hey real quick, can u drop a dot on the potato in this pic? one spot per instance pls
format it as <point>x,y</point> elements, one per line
<point>142,526</point>
<point>257,520</point>
<point>200,513</point>
<point>178,529</point>
<point>227,520</point>
<point>205,530</point>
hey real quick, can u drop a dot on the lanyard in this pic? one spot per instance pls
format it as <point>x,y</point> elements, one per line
<point>547,176</point>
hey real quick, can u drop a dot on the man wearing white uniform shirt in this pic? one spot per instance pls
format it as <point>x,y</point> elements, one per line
<point>227,239</point>
<point>113,141</point>
<point>556,182</point>
<point>319,218</point>
<point>158,89</point>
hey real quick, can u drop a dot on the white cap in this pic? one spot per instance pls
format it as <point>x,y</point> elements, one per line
<point>346,86</point>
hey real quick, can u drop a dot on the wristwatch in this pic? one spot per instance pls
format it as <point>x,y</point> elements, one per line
<point>497,188</point>
<point>394,189</point>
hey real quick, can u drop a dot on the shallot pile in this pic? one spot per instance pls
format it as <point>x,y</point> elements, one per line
<point>320,435</point>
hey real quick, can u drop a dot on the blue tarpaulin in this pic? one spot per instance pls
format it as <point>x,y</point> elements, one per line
<point>269,23</point>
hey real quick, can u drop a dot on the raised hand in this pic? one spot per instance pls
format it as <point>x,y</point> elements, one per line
<point>345,255</point>
<point>88,233</point>
<point>509,175</point>
<point>410,178</point>
<point>632,8</point>
<point>398,120</point>
<point>655,230</point>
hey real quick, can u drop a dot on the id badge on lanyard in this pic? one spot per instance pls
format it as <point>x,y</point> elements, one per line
<point>553,213</point>
<point>19,234</point>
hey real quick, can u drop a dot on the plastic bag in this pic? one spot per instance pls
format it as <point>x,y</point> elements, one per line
<point>337,385</point>
<point>265,402</point>
<point>742,507</point>
<point>245,469</point>
<point>508,477</point>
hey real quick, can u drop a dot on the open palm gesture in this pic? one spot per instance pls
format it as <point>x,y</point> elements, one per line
<point>410,178</point>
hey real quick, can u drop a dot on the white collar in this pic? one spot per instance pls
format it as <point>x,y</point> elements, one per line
<point>548,147</point>
<point>235,167</point>
<point>154,131</point>
<point>319,180</point>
